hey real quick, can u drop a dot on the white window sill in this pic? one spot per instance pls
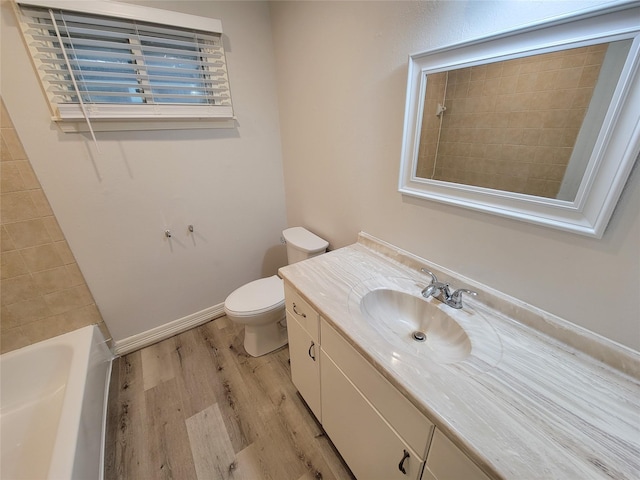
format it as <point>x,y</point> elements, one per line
<point>118,125</point>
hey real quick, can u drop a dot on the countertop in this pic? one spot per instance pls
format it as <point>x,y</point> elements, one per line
<point>524,405</point>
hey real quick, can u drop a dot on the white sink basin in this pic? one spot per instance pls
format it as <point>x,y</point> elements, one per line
<point>394,313</point>
<point>419,324</point>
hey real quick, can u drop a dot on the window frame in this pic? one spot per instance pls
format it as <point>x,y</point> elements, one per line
<point>117,116</point>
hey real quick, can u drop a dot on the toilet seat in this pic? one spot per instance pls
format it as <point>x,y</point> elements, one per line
<point>257,297</point>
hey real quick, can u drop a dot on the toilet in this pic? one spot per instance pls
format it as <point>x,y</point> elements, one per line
<point>259,305</point>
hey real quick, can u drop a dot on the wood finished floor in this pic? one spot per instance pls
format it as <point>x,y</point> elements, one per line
<point>197,406</point>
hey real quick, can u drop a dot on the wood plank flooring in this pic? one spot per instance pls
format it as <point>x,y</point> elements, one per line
<point>197,406</point>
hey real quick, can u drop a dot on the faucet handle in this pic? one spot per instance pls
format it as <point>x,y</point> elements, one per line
<point>455,300</point>
<point>434,279</point>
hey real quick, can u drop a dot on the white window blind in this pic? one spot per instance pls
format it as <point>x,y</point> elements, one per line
<point>124,68</point>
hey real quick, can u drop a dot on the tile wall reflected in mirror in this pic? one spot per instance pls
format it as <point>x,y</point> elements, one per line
<point>512,125</point>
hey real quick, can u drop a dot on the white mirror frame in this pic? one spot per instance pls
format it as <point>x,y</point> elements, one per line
<point>616,148</point>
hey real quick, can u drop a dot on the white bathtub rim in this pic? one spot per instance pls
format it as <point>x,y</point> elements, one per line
<point>65,448</point>
<point>103,440</point>
<point>66,442</point>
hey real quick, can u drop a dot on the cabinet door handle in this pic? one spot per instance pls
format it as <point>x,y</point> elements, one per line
<point>401,464</point>
<point>303,315</point>
<point>312,355</point>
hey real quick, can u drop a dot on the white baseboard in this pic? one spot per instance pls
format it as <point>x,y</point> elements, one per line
<point>144,339</point>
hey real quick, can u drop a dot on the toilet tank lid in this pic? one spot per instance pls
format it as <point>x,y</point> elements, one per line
<point>304,240</point>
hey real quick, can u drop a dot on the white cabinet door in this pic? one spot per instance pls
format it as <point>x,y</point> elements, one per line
<point>304,353</point>
<point>410,425</point>
<point>447,462</point>
<point>365,440</point>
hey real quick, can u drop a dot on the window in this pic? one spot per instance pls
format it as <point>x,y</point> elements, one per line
<point>124,62</point>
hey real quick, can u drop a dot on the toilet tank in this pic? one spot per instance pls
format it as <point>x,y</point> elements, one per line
<point>302,244</point>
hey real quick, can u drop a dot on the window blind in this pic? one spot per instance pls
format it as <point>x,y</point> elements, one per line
<point>119,68</point>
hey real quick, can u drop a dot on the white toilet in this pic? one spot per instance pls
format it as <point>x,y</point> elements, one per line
<point>259,305</point>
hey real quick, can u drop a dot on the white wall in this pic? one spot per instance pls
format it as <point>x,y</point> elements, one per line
<point>114,207</point>
<point>341,70</point>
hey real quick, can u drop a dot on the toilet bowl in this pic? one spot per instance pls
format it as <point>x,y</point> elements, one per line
<point>259,305</point>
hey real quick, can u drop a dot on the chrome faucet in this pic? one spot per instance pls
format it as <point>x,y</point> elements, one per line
<point>442,292</point>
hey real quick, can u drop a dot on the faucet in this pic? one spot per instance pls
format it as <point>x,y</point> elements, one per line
<point>442,292</point>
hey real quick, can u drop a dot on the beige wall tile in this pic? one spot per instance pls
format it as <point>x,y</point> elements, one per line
<point>562,98</point>
<point>41,203</point>
<point>494,70</point>
<point>528,65</point>
<point>550,62</point>
<point>49,281</point>
<point>12,340</point>
<point>526,82</point>
<point>12,264</point>
<point>69,299</point>
<point>595,58</point>
<point>544,154</point>
<point>553,119</point>
<point>75,274</point>
<point>41,297</point>
<point>17,206</point>
<point>43,257</point>
<point>552,137</point>
<point>6,241</point>
<point>478,73</point>
<point>530,136</point>
<point>28,175</point>
<point>24,312</point>
<point>5,155</point>
<point>574,117</point>
<point>546,80</point>
<point>29,233</point>
<point>513,136</point>
<point>65,252</point>
<point>576,59</point>
<point>81,317</point>
<point>13,143</point>
<point>17,289</point>
<point>5,120</point>
<point>581,97</point>
<point>45,328</point>
<point>568,77</point>
<point>10,178</point>
<point>53,228</point>
<point>510,68</point>
<point>507,84</point>
<point>562,155</point>
<point>476,89</point>
<point>492,88</point>
<point>589,76</point>
<point>569,136</point>
<point>85,294</point>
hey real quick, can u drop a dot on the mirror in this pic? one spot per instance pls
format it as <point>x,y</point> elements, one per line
<point>538,124</point>
<point>520,125</point>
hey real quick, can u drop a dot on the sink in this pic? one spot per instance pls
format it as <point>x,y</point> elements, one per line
<point>392,317</point>
<point>419,325</point>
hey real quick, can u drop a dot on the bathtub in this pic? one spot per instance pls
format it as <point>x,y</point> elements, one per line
<point>52,408</point>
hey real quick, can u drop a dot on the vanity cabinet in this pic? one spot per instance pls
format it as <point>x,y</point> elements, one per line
<point>447,462</point>
<point>303,330</point>
<point>378,432</point>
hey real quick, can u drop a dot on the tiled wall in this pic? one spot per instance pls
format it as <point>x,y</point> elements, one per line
<point>430,132</point>
<point>43,292</point>
<point>512,125</point>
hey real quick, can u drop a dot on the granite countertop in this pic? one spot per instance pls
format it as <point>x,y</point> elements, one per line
<point>524,405</point>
